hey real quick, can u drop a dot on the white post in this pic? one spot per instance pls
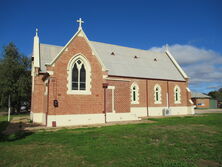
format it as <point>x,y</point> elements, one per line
<point>9,108</point>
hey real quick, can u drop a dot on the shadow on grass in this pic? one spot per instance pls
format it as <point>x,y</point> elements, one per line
<point>13,131</point>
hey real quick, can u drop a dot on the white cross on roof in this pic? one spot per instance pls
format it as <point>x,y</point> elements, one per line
<point>80,21</point>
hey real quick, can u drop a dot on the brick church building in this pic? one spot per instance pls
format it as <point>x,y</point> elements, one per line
<point>87,82</point>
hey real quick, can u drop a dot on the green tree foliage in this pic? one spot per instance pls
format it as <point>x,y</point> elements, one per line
<point>15,78</point>
<point>216,94</point>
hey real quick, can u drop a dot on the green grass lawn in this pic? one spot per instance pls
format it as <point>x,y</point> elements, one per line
<point>170,142</point>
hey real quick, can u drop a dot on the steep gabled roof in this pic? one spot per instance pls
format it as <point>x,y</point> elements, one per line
<point>132,62</point>
<point>124,61</point>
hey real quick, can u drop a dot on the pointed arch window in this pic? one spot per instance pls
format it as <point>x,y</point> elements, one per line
<point>157,94</point>
<point>177,95</point>
<point>79,76</point>
<point>134,94</point>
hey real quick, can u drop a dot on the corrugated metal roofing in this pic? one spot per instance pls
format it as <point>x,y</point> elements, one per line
<point>199,95</point>
<point>47,54</point>
<point>147,64</point>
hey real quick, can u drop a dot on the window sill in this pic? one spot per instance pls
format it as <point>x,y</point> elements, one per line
<point>78,92</point>
<point>134,102</point>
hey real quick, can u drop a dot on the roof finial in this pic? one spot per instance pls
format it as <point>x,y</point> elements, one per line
<point>36,32</point>
<point>80,21</point>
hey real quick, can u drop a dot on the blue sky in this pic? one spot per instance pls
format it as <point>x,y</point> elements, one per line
<point>191,28</point>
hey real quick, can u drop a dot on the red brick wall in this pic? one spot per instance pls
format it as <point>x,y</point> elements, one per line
<point>109,100</point>
<point>184,97</point>
<point>75,104</point>
<point>163,85</point>
<point>205,102</point>
<point>146,91</point>
<point>38,98</point>
<point>121,96</point>
<point>142,92</point>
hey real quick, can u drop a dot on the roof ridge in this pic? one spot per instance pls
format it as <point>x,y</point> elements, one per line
<point>107,44</point>
<point>125,47</point>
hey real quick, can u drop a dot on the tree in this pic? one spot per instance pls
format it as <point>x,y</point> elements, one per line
<point>216,94</point>
<point>15,77</point>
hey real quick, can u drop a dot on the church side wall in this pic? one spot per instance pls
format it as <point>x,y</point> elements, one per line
<point>147,106</point>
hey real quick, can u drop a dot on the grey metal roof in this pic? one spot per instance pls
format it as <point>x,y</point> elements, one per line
<point>199,95</point>
<point>123,62</point>
<point>47,54</point>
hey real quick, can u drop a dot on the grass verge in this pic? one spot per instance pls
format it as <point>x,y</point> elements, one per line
<point>175,141</point>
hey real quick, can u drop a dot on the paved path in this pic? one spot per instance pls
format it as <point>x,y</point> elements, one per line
<point>202,111</point>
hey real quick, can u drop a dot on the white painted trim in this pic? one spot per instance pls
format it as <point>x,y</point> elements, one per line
<point>191,102</point>
<point>81,33</point>
<point>111,87</point>
<point>139,111</point>
<point>182,110</point>
<point>179,95</point>
<point>134,84</point>
<point>156,111</point>
<point>113,100</point>
<point>113,117</point>
<point>117,79</point>
<point>63,49</point>
<point>176,64</point>
<point>88,75</point>
<point>188,89</point>
<point>87,119</point>
<point>36,50</point>
<point>159,101</point>
<point>50,72</point>
<point>105,76</point>
<point>76,119</point>
<point>38,118</point>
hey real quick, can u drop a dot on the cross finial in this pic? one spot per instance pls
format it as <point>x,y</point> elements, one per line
<point>80,21</point>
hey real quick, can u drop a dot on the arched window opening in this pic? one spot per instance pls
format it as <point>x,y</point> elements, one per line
<point>134,94</point>
<point>82,78</point>
<point>177,95</point>
<point>75,78</point>
<point>157,94</point>
<point>78,76</point>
